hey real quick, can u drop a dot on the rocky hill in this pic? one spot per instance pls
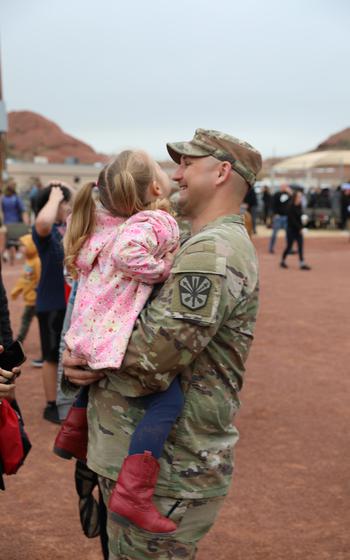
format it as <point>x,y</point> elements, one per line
<point>338,141</point>
<point>32,135</point>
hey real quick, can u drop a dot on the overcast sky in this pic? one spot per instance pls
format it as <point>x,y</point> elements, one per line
<point>138,73</point>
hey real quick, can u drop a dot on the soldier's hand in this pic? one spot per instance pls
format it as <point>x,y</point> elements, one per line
<point>74,372</point>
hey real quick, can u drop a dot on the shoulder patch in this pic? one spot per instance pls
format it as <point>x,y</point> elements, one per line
<point>197,285</point>
<point>196,297</point>
<point>194,290</point>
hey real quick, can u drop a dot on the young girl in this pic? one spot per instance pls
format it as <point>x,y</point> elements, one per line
<point>119,247</point>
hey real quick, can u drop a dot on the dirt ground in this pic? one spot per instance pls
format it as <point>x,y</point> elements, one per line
<point>290,495</point>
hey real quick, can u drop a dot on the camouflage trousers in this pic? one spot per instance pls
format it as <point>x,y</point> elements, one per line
<point>193,517</point>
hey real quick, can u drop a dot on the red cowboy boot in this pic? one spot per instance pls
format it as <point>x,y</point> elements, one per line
<point>71,440</point>
<point>131,499</point>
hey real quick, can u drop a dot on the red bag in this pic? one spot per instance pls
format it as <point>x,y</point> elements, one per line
<point>11,446</point>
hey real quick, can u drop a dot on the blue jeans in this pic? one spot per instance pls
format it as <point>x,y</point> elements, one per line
<point>278,222</point>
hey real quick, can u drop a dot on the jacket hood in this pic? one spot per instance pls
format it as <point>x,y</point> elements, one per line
<point>28,243</point>
<point>104,233</point>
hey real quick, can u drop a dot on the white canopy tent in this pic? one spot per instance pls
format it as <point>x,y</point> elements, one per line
<point>335,163</point>
<point>327,158</point>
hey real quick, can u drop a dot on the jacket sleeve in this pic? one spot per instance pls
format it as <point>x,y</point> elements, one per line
<point>141,247</point>
<point>175,327</point>
<point>17,288</point>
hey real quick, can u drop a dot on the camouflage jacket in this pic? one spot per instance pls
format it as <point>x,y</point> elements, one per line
<point>200,326</point>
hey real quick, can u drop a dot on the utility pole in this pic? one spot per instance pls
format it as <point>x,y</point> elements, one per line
<point>3,130</point>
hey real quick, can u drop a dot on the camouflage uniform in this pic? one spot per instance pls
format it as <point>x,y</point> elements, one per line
<point>194,519</point>
<point>199,325</point>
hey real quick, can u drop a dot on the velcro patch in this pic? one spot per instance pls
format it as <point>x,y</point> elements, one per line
<point>194,291</point>
<point>196,297</point>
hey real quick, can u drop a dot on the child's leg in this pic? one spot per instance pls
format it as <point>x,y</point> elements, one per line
<point>162,410</point>
<point>131,499</point>
<point>27,317</point>
<point>71,440</point>
<point>82,398</point>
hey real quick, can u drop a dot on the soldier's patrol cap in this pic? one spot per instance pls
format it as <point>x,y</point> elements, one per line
<point>244,159</point>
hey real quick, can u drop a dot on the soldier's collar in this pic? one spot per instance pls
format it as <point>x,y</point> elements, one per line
<point>229,219</point>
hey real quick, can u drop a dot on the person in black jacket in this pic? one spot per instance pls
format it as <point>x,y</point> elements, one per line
<point>250,202</point>
<point>294,231</point>
<point>6,391</point>
<point>267,203</point>
<point>280,204</point>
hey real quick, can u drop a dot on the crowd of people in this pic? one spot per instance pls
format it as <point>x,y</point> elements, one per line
<point>145,330</point>
<point>290,209</point>
<point>323,206</point>
<point>287,215</point>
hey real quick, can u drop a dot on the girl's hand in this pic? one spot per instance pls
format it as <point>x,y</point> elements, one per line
<point>169,260</point>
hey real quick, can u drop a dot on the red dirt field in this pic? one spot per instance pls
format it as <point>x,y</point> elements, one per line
<point>291,493</point>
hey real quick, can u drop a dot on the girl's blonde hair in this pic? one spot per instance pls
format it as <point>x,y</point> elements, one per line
<point>122,190</point>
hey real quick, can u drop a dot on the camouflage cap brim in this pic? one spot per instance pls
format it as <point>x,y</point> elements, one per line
<point>178,149</point>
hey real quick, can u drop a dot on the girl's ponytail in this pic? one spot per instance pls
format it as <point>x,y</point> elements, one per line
<point>123,183</point>
<point>80,227</point>
<point>126,193</point>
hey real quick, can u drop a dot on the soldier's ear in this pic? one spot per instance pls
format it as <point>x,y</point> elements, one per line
<point>224,171</point>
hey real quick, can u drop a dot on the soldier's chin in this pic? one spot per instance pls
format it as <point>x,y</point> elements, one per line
<point>182,210</point>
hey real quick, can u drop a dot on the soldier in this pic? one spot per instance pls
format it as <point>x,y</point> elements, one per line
<point>199,326</point>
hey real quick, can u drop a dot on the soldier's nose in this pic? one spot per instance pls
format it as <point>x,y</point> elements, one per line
<point>177,174</point>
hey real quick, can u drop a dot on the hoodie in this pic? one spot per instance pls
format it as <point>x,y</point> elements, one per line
<point>118,266</point>
<point>28,281</point>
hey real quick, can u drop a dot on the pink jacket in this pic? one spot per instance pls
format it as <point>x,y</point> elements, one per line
<point>118,266</point>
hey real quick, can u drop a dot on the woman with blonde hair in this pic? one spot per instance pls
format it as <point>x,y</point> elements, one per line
<point>118,247</point>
